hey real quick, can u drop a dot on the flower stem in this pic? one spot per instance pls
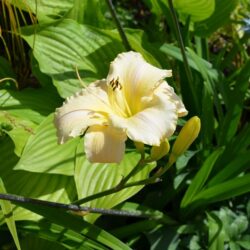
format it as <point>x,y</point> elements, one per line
<point>182,48</point>
<point>118,25</point>
<point>75,208</point>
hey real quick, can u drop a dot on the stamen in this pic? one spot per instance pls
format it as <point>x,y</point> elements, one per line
<point>115,84</point>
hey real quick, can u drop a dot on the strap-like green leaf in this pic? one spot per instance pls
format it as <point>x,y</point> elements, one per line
<point>7,209</point>
<point>200,178</point>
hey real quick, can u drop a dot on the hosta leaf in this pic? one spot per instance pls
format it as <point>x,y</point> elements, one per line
<point>94,178</point>
<point>18,130</point>
<point>45,9</point>
<point>84,10</point>
<point>220,16</point>
<point>29,104</point>
<point>50,187</point>
<point>198,10</point>
<point>64,47</point>
<point>7,209</point>
<point>43,154</point>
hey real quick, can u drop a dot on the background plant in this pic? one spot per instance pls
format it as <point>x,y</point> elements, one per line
<point>202,202</point>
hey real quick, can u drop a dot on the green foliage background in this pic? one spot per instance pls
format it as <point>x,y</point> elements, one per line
<point>202,202</point>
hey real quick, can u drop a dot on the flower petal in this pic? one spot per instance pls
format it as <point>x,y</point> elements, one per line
<point>150,126</point>
<point>136,78</point>
<point>87,107</point>
<point>104,144</point>
<point>168,90</point>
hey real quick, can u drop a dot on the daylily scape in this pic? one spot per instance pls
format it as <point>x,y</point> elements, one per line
<point>134,102</point>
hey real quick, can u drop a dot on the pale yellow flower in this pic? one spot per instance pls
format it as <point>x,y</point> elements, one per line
<point>134,102</point>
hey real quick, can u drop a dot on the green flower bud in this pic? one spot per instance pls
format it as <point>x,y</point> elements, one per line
<point>185,138</point>
<point>157,152</point>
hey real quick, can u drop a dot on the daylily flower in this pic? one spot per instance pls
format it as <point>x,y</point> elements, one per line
<point>134,102</point>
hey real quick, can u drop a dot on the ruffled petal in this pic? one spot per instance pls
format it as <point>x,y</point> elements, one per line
<point>165,89</point>
<point>86,108</point>
<point>134,78</point>
<point>156,122</point>
<point>104,144</point>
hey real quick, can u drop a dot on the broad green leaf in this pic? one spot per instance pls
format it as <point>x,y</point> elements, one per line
<point>18,130</point>
<point>29,104</point>
<point>52,187</point>
<point>51,233</point>
<point>83,12</point>
<point>94,178</point>
<point>42,154</point>
<point>72,222</point>
<point>7,210</point>
<point>198,10</point>
<point>65,47</point>
<point>200,178</point>
<point>45,10</point>
<point>220,16</point>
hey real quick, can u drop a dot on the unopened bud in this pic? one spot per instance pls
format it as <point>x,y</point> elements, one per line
<point>185,138</point>
<point>157,152</point>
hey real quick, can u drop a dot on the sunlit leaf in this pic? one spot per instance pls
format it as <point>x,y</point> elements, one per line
<point>219,17</point>
<point>45,10</point>
<point>29,104</point>
<point>53,236</point>
<point>79,49</point>
<point>198,10</point>
<point>17,129</point>
<point>74,47</point>
<point>94,178</point>
<point>84,10</point>
<point>52,187</point>
<point>42,153</point>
